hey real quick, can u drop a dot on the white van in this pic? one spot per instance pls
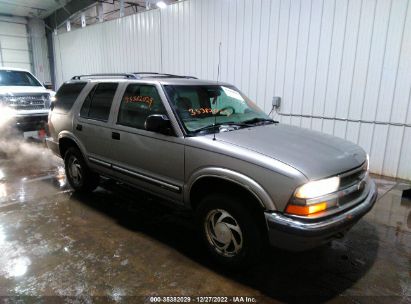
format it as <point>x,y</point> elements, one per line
<point>24,102</point>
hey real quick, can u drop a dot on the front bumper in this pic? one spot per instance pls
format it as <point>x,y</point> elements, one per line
<point>298,235</point>
<point>30,122</point>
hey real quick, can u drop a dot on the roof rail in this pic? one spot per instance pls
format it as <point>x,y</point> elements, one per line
<point>140,75</point>
<point>143,73</point>
<point>124,75</point>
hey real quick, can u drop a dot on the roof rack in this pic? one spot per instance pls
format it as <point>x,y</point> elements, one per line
<point>124,75</point>
<point>141,75</point>
<point>135,75</point>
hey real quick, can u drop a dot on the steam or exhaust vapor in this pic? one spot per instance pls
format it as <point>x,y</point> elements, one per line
<point>25,156</point>
<point>19,155</point>
<point>6,114</point>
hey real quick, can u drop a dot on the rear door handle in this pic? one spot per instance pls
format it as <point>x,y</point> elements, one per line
<point>79,127</point>
<point>115,135</point>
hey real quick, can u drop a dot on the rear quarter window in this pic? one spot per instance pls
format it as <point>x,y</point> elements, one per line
<point>97,104</point>
<point>67,95</point>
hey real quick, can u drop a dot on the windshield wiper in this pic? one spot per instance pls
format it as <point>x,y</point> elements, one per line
<point>260,120</point>
<point>218,125</point>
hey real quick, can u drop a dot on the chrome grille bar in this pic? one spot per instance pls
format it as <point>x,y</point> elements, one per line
<point>28,101</point>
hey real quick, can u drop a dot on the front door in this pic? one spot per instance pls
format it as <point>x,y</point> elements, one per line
<point>152,161</point>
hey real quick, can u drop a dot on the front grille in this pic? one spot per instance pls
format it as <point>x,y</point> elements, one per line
<point>29,107</point>
<point>31,123</point>
<point>353,177</point>
<point>25,102</point>
<point>353,183</point>
<point>350,197</point>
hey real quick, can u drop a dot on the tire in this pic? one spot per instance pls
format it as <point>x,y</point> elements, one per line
<point>224,220</point>
<point>79,175</point>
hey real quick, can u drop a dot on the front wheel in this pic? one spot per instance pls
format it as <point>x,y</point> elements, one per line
<point>230,231</point>
<point>79,176</point>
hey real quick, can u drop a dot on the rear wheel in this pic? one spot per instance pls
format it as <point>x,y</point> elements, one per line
<point>79,175</point>
<point>230,230</point>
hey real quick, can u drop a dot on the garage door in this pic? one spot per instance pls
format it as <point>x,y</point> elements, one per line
<point>14,46</point>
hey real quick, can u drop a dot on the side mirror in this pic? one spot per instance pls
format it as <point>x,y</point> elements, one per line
<point>158,123</point>
<point>48,86</point>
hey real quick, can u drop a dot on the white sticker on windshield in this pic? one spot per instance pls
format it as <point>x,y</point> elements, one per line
<point>232,93</point>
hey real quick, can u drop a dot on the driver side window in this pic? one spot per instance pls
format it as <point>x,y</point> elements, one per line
<point>139,101</point>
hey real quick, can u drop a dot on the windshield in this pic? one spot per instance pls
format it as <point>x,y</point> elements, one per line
<point>18,78</point>
<point>200,106</point>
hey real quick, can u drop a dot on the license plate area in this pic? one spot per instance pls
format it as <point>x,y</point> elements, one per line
<point>38,134</point>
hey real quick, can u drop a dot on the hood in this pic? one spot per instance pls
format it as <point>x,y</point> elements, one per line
<point>11,90</point>
<point>316,155</point>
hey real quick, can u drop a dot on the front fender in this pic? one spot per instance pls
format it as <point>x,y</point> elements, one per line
<point>242,180</point>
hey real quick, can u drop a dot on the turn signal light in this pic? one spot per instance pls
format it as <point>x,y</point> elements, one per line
<point>306,209</point>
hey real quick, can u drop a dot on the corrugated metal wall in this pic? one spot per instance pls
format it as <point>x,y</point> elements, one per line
<point>129,44</point>
<point>336,59</point>
<point>14,43</point>
<point>37,33</point>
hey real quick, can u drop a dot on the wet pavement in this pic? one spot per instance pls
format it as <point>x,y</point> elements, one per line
<point>122,245</point>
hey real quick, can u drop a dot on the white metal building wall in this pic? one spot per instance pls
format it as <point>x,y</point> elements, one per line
<point>14,43</point>
<point>37,33</point>
<point>129,44</point>
<point>336,59</point>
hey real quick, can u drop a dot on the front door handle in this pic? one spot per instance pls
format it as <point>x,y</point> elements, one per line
<point>115,135</point>
<point>79,127</point>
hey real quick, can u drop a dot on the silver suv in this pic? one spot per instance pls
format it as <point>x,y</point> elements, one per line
<point>206,146</point>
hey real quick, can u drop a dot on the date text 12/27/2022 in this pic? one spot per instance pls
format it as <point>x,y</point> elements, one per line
<point>202,299</point>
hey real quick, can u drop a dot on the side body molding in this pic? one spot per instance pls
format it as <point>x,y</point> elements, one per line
<point>242,180</point>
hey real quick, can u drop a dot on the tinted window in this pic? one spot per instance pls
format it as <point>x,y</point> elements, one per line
<point>139,101</point>
<point>98,103</point>
<point>67,95</point>
<point>86,104</point>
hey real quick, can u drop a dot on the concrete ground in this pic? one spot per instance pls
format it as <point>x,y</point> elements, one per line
<point>122,245</point>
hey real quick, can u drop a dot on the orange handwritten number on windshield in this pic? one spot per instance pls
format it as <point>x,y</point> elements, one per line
<point>195,112</point>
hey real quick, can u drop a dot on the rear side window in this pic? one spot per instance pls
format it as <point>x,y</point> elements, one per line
<point>98,102</point>
<point>67,95</point>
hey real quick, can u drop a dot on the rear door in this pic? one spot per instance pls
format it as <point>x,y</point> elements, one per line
<point>152,161</point>
<point>93,124</point>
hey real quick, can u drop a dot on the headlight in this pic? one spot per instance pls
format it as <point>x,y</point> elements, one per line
<point>52,98</point>
<point>318,188</point>
<point>307,198</point>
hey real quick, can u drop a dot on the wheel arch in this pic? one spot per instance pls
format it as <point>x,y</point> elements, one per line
<point>67,140</point>
<point>229,181</point>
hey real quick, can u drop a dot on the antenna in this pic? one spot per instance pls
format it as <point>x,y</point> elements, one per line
<point>219,62</point>
<point>218,79</point>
